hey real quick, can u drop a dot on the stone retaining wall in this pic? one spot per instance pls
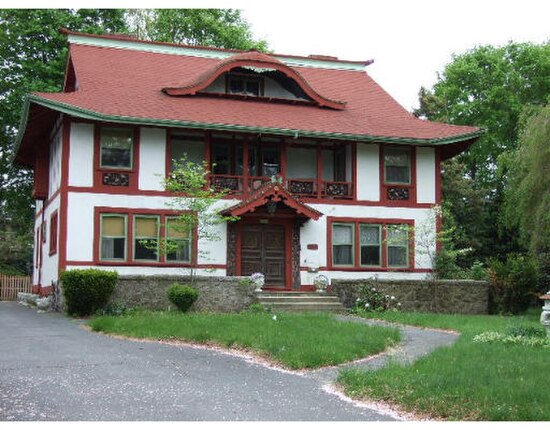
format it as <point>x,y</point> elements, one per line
<point>220,294</point>
<point>453,296</point>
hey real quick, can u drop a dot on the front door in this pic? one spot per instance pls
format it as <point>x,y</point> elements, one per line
<point>263,251</point>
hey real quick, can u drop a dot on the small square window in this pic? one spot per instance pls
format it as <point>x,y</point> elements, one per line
<point>116,148</point>
<point>397,166</point>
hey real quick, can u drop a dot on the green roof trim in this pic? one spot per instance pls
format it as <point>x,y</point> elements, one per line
<point>98,116</point>
<point>137,45</point>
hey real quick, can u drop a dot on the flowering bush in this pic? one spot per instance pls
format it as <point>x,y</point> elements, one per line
<point>495,337</point>
<point>257,277</point>
<point>372,299</point>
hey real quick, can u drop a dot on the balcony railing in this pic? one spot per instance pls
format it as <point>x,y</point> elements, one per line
<point>305,188</point>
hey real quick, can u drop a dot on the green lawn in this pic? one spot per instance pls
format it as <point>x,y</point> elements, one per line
<point>296,341</point>
<point>467,381</point>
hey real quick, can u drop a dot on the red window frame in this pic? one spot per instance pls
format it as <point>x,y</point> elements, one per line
<point>357,222</point>
<point>411,187</point>
<point>54,221</point>
<point>130,261</point>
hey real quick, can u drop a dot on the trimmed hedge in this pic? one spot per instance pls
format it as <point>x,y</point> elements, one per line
<point>183,296</point>
<point>87,290</point>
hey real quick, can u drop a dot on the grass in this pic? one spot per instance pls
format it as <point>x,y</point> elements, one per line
<point>295,341</point>
<point>467,381</point>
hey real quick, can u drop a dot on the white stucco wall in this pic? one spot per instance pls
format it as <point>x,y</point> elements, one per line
<point>368,172</point>
<point>81,157</point>
<point>425,175</point>
<point>80,233</point>
<point>152,158</point>
<point>49,264</point>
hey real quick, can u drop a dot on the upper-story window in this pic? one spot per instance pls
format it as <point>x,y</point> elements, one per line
<point>397,166</point>
<point>188,146</point>
<point>116,148</point>
<point>245,85</point>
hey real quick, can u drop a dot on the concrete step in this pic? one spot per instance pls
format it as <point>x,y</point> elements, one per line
<point>301,302</point>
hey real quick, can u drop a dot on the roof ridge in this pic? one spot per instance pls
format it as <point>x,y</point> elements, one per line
<point>126,38</point>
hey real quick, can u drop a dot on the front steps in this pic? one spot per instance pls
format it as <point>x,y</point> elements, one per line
<point>300,301</point>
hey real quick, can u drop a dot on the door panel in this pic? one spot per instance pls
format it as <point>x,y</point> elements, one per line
<point>263,250</point>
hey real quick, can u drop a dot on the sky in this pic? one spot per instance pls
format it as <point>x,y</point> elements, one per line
<point>410,41</point>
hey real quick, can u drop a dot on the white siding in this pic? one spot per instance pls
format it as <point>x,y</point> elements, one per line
<point>50,264</point>
<point>425,175</point>
<point>368,172</point>
<point>81,158</point>
<point>152,158</point>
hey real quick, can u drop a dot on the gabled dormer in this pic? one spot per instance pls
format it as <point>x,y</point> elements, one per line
<point>254,75</point>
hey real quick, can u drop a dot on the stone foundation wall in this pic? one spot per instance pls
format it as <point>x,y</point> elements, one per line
<point>220,294</point>
<point>453,296</point>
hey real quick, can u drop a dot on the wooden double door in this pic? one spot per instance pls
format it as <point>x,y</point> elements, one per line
<point>263,250</point>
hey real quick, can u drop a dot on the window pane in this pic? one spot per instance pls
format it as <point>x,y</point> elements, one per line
<point>342,234</point>
<point>189,146</point>
<point>145,249</point>
<point>182,251</point>
<point>301,163</point>
<point>342,254</point>
<point>113,248</point>
<point>146,227</point>
<point>397,235</point>
<point>113,226</point>
<point>397,165</point>
<point>253,88</point>
<point>397,256</point>
<point>270,162</point>
<point>175,229</point>
<point>116,147</point>
<point>236,86</point>
<point>370,235</point>
<point>370,255</point>
<point>221,159</point>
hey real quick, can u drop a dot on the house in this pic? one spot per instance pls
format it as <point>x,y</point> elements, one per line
<point>326,172</point>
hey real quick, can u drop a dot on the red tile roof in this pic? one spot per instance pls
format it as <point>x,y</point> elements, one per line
<point>126,85</point>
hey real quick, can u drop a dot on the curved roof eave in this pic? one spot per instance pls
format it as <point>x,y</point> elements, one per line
<point>99,116</point>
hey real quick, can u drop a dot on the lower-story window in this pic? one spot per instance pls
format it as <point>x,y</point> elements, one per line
<point>178,241</point>
<point>141,237</point>
<point>371,244</point>
<point>146,237</point>
<point>114,231</point>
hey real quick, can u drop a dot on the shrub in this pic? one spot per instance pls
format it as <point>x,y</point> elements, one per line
<point>526,331</point>
<point>513,284</point>
<point>372,299</point>
<point>86,291</point>
<point>183,296</point>
<point>258,308</point>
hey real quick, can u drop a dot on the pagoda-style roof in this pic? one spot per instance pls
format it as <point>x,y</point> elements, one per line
<point>272,193</point>
<point>127,81</point>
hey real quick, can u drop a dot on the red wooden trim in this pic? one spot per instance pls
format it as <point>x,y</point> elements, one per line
<point>99,171</point>
<point>64,194</point>
<point>46,203</point>
<point>367,269</point>
<point>54,222</point>
<point>168,153</point>
<point>312,246</point>
<point>384,201</point>
<point>357,254</point>
<point>227,65</point>
<point>145,264</point>
<point>354,162</point>
<point>319,170</point>
<point>130,213</point>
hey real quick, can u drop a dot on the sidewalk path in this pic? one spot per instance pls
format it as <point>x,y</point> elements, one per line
<point>53,369</point>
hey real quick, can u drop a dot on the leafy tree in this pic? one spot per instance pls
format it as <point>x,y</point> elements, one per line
<point>196,205</point>
<point>32,58</point>
<point>222,28</point>
<point>486,87</point>
<point>527,197</point>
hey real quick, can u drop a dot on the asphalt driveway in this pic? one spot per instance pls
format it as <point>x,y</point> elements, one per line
<point>53,369</point>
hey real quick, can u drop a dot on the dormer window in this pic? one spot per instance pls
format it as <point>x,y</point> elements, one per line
<point>244,85</point>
